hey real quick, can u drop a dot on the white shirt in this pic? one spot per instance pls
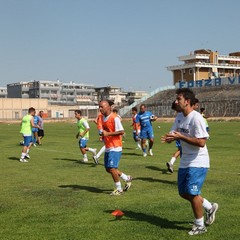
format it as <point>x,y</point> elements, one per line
<point>193,125</point>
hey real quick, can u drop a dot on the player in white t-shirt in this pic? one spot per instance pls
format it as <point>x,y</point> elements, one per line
<point>190,128</point>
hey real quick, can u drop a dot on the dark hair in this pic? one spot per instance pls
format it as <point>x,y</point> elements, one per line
<point>110,102</point>
<point>187,93</point>
<point>78,111</point>
<point>31,109</point>
<point>195,101</point>
<point>115,110</point>
<point>134,109</point>
<point>174,105</point>
<point>202,109</point>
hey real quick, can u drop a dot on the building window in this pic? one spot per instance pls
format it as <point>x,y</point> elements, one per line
<point>190,71</point>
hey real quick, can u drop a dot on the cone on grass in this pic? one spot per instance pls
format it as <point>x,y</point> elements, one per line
<point>117,213</point>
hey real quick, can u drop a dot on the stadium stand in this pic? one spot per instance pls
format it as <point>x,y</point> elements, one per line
<point>219,101</point>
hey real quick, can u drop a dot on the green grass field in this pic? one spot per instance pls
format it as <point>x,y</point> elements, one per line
<point>54,196</point>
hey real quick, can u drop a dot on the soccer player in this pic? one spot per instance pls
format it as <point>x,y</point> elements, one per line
<point>145,118</point>
<point>40,130</point>
<point>189,127</point>
<point>178,144</point>
<point>136,128</point>
<point>35,130</point>
<point>26,130</point>
<point>83,133</point>
<point>112,133</point>
<point>98,121</point>
<point>202,111</point>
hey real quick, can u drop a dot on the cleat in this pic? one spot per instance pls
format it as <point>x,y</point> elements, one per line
<point>95,159</point>
<point>170,167</point>
<point>150,152</point>
<point>196,229</point>
<point>23,160</point>
<point>116,192</point>
<point>128,184</point>
<point>210,215</point>
<point>144,154</point>
<point>34,144</point>
<point>27,156</point>
<point>84,160</point>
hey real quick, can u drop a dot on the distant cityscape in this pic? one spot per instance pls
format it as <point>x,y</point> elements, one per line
<point>71,93</point>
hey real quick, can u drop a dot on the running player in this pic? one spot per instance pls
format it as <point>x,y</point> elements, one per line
<point>112,133</point>
<point>136,128</point>
<point>83,133</point>
<point>145,118</point>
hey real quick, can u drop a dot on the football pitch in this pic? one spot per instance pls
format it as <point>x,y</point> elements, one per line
<point>55,196</point>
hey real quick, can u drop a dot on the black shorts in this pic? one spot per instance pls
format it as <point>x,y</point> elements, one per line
<point>40,133</point>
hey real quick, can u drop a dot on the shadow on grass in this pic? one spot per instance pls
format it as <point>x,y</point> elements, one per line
<point>154,220</point>
<point>149,179</point>
<point>132,154</point>
<point>14,158</point>
<point>163,170</point>
<point>86,188</point>
<point>90,162</point>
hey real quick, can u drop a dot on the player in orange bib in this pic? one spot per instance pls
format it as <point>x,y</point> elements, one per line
<point>112,133</point>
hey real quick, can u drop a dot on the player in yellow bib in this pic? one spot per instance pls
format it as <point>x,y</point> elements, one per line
<point>83,133</point>
<point>26,130</point>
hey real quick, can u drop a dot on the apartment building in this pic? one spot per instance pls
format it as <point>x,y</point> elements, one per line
<point>111,93</point>
<point>205,64</point>
<point>79,93</point>
<point>3,92</point>
<point>45,89</point>
<point>135,96</point>
<point>18,90</point>
<point>55,92</point>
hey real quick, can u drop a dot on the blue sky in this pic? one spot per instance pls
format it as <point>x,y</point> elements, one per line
<point>125,43</point>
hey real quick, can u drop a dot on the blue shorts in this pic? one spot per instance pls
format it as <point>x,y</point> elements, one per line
<point>83,143</point>
<point>146,133</point>
<point>34,130</point>
<point>135,136</point>
<point>178,145</point>
<point>190,180</point>
<point>112,159</point>
<point>27,140</point>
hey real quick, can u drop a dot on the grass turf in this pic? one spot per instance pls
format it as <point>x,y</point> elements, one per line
<point>54,196</point>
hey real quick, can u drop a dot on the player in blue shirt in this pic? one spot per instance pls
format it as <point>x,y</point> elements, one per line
<point>35,130</point>
<point>144,119</point>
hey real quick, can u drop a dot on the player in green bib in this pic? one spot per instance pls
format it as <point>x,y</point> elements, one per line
<point>26,130</point>
<point>83,133</point>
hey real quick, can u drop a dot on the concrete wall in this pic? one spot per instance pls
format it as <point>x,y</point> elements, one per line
<point>16,108</point>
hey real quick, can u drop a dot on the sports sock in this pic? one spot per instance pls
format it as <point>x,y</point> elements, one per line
<point>199,221</point>
<point>92,150</point>
<point>124,177</point>
<point>101,151</point>
<point>23,155</point>
<point>27,150</point>
<point>118,185</point>
<point>206,205</point>
<point>144,150</point>
<point>173,159</point>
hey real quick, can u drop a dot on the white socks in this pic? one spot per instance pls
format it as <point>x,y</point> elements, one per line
<point>207,205</point>
<point>124,177</point>
<point>118,185</point>
<point>199,222</point>
<point>101,151</point>
<point>173,159</point>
